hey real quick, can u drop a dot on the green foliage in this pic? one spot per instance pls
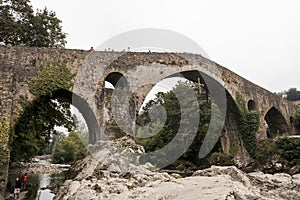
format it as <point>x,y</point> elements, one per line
<point>288,149</point>
<point>36,123</point>
<point>69,149</point>
<point>297,118</point>
<point>265,152</point>
<point>283,150</point>
<point>219,158</point>
<point>234,146</point>
<point>293,94</point>
<point>20,25</point>
<point>248,124</point>
<point>4,151</point>
<point>53,76</point>
<point>163,132</point>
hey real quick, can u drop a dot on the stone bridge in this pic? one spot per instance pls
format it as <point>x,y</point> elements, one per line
<point>142,70</point>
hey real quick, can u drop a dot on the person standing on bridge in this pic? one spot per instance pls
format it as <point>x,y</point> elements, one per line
<point>91,49</point>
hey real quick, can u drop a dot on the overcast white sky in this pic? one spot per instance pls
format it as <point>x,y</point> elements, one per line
<point>257,39</point>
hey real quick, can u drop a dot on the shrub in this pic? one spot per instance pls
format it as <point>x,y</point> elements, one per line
<point>69,149</point>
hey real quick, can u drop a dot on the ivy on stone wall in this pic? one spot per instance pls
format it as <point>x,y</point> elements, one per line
<point>297,118</point>
<point>248,123</point>
<point>52,77</point>
<point>4,151</point>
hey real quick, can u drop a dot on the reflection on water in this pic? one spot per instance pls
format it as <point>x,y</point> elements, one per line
<point>42,193</point>
<point>36,186</point>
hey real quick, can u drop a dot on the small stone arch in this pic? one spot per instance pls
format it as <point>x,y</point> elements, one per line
<point>251,105</point>
<point>276,123</point>
<point>116,78</point>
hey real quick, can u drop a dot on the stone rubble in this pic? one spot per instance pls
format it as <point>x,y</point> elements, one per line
<point>114,173</point>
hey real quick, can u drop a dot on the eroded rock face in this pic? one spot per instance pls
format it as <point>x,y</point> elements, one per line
<point>257,184</point>
<point>113,173</point>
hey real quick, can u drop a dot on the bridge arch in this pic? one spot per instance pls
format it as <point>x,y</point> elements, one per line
<point>251,105</point>
<point>276,123</point>
<point>116,78</point>
<point>83,107</point>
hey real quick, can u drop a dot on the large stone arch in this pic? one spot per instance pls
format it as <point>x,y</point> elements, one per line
<point>276,123</point>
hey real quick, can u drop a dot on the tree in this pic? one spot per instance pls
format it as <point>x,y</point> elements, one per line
<point>38,119</point>
<point>293,94</point>
<point>21,26</point>
<point>163,134</point>
<point>69,149</point>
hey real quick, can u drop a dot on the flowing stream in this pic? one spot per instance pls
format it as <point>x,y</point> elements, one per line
<point>42,193</point>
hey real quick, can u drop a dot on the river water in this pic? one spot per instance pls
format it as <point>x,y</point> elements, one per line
<point>37,183</point>
<point>36,187</point>
<point>42,193</point>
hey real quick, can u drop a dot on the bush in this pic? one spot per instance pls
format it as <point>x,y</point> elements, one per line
<point>284,150</point>
<point>218,158</point>
<point>69,149</point>
<point>289,149</point>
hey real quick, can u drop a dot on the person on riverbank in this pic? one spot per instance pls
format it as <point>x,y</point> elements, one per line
<point>17,188</point>
<point>24,180</point>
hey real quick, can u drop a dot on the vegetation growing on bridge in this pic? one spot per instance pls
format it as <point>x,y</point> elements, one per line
<point>248,123</point>
<point>297,118</point>
<point>4,151</point>
<point>39,117</point>
<point>54,76</point>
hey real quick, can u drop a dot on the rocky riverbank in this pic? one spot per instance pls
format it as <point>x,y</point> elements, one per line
<point>113,173</point>
<point>39,165</point>
<point>37,169</point>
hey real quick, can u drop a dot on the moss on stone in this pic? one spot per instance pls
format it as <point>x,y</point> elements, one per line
<point>4,150</point>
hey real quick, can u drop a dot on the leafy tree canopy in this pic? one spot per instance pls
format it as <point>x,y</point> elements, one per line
<point>20,25</point>
<point>161,133</point>
<point>291,94</point>
<point>69,149</point>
